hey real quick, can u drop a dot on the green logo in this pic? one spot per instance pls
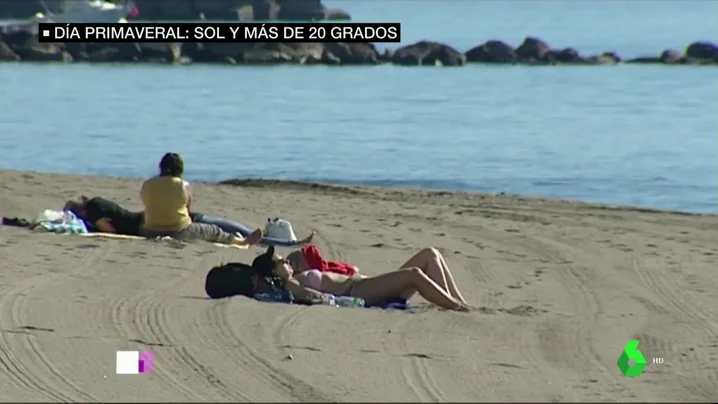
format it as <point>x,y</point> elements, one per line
<point>631,352</point>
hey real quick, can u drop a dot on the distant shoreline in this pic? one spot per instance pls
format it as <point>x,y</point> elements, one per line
<point>371,191</point>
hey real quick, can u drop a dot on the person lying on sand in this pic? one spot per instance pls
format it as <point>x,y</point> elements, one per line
<point>106,216</point>
<point>429,260</point>
<point>231,226</point>
<point>402,283</point>
<point>167,199</point>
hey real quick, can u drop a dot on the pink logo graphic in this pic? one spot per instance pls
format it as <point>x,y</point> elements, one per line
<point>134,362</point>
<point>146,361</point>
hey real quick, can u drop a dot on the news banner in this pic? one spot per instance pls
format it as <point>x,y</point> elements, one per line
<point>219,32</point>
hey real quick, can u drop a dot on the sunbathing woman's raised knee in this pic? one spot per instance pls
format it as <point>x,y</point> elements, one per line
<point>429,253</point>
<point>414,272</point>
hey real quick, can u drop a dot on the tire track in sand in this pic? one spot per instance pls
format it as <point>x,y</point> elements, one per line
<point>479,271</point>
<point>575,333</point>
<point>324,244</point>
<point>416,372</point>
<point>13,306</point>
<point>666,290</point>
<point>261,368</point>
<point>150,318</point>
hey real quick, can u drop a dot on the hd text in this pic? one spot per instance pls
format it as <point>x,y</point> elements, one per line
<point>220,32</point>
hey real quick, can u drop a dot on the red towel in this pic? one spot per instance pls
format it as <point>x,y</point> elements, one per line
<point>315,261</point>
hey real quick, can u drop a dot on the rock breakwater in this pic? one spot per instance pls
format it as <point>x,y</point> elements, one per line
<point>20,43</point>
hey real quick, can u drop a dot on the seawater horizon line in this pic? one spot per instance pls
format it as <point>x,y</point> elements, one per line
<point>250,181</point>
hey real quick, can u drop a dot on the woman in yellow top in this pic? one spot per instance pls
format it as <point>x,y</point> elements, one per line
<point>167,199</point>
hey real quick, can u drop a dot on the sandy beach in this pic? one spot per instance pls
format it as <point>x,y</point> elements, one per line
<point>562,287</point>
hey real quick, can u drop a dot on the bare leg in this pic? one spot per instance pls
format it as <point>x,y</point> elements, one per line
<point>307,239</point>
<point>402,282</point>
<point>432,263</point>
<point>252,239</point>
<point>453,289</point>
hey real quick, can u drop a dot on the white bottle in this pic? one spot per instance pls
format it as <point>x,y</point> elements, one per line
<point>329,299</point>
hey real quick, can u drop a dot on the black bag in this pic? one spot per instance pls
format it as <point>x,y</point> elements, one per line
<point>235,278</point>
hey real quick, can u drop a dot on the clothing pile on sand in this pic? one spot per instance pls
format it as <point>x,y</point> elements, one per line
<point>52,221</point>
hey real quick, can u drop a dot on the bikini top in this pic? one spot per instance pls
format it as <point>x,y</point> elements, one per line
<point>313,279</point>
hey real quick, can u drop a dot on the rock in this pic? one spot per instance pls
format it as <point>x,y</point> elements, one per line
<point>703,50</point>
<point>244,13</point>
<point>606,58</point>
<point>22,41</point>
<point>326,58</point>
<point>265,10</point>
<point>687,60</point>
<point>24,9</point>
<point>19,34</point>
<point>532,50</point>
<point>301,10</point>
<point>265,56</point>
<point>190,10</point>
<point>183,60</point>
<point>256,53</point>
<point>219,9</point>
<point>160,52</point>
<point>7,54</point>
<point>353,53</point>
<point>644,60</point>
<point>492,52</point>
<point>125,52</point>
<point>43,52</point>
<point>428,53</point>
<point>215,52</point>
<point>386,56</point>
<point>670,56</point>
<point>112,53</point>
<point>163,10</point>
<point>611,57</point>
<point>564,56</point>
<point>298,52</point>
<point>336,14</point>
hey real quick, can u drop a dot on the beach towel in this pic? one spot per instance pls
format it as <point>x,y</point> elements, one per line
<point>59,222</point>
<point>165,239</point>
<point>315,260</point>
<point>393,304</point>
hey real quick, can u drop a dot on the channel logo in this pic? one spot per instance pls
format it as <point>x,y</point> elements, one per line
<point>134,362</point>
<point>631,362</point>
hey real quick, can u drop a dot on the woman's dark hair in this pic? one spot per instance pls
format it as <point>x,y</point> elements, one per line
<point>171,165</point>
<point>264,264</point>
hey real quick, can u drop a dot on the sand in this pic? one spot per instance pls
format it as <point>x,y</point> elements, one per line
<point>562,287</point>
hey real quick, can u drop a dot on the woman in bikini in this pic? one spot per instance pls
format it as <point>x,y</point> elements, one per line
<point>375,290</point>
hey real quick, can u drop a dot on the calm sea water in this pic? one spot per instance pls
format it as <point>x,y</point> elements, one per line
<point>641,135</point>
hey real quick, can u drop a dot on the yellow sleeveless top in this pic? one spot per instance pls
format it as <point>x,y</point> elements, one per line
<point>165,200</point>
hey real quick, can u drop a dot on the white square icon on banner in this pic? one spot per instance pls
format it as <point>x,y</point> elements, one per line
<point>128,362</point>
